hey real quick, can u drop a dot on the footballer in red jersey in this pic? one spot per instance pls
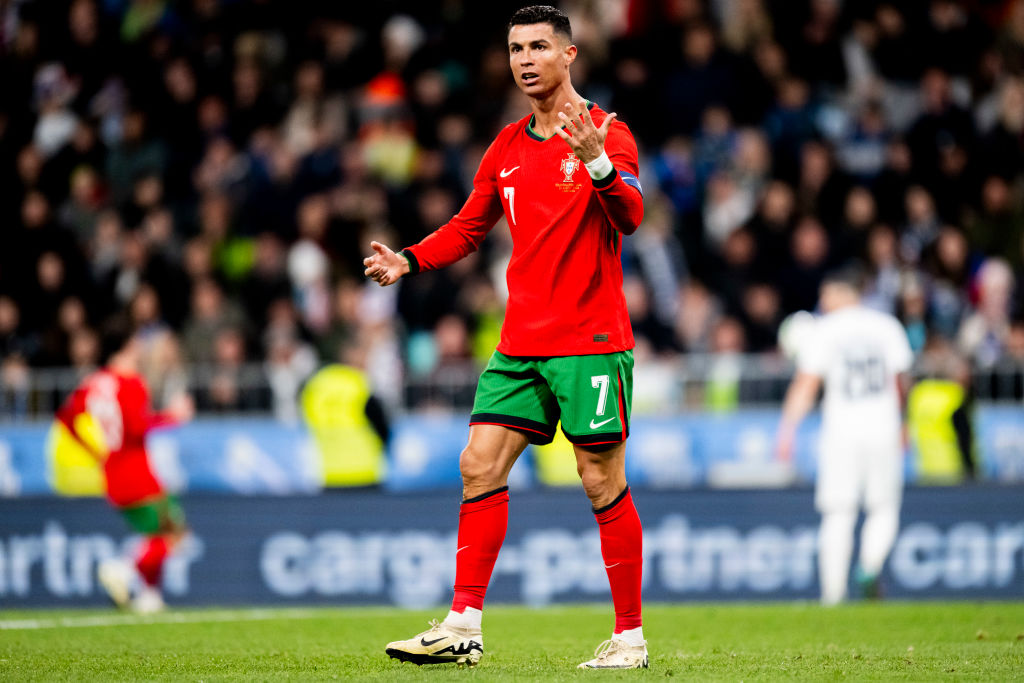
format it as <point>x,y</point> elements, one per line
<point>565,178</point>
<point>117,400</point>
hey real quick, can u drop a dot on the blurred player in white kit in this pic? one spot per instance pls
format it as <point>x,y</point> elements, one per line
<point>862,356</point>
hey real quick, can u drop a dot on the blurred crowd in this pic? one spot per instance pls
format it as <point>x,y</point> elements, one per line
<point>214,170</point>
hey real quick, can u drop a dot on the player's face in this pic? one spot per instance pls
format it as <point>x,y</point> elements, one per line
<point>832,297</point>
<point>539,58</point>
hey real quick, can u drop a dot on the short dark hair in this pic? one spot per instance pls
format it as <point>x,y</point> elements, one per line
<point>849,275</point>
<point>542,14</point>
<point>114,336</point>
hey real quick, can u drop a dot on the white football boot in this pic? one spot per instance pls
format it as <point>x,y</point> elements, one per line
<point>148,601</point>
<point>617,654</point>
<point>116,577</point>
<point>441,644</point>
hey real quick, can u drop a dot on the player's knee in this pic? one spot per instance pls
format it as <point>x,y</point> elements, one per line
<point>172,528</point>
<point>477,468</point>
<point>883,515</point>
<point>838,522</point>
<point>177,535</point>
<point>597,483</point>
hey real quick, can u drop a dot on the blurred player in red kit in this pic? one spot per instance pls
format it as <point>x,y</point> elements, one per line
<point>565,178</point>
<point>117,400</point>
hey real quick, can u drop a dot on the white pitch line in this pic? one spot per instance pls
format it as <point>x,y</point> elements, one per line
<point>165,618</point>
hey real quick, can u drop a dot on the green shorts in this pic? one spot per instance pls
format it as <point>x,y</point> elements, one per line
<point>158,516</point>
<point>591,395</point>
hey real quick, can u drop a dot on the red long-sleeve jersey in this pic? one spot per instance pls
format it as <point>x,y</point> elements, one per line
<point>565,275</point>
<point>120,406</point>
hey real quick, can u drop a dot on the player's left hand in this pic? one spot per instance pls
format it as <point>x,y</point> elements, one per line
<point>784,446</point>
<point>584,138</point>
<point>385,267</point>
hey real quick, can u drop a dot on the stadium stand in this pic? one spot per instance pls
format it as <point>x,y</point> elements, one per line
<point>213,171</point>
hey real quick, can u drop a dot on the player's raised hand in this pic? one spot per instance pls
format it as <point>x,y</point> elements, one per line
<point>584,138</point>
<point>385,267</point>
<point>181,407</point>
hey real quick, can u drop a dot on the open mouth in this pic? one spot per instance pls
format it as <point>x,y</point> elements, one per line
<point>529,78</point>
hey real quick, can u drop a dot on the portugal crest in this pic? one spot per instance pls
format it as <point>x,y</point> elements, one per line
<point>570,164</point>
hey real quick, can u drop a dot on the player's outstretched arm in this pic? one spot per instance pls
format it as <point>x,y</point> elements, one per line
<point>385,267</point>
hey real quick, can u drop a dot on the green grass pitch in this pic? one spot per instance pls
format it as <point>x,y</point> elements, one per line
<point>882,641</point>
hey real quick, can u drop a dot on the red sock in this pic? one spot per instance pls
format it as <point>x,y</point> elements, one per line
<point>483,521</point>
<point>622,542</point>
<point>150,562</point>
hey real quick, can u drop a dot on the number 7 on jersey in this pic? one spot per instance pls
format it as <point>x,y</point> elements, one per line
<point>510,195</point>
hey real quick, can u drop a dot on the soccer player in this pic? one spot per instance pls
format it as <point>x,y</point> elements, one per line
<point>565,178</point>
<point>117,399</point>
<point>862,357</point>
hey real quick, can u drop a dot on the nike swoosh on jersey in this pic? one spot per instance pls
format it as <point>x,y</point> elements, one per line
<point>609,566</point>
<point>506,174</point>
<point>594,425</point>
<point>461,549</point>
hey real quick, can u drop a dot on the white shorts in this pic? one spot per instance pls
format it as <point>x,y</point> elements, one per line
<point>859,469</point>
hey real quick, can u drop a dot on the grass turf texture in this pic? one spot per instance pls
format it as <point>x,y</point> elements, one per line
<point>883,641</point>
